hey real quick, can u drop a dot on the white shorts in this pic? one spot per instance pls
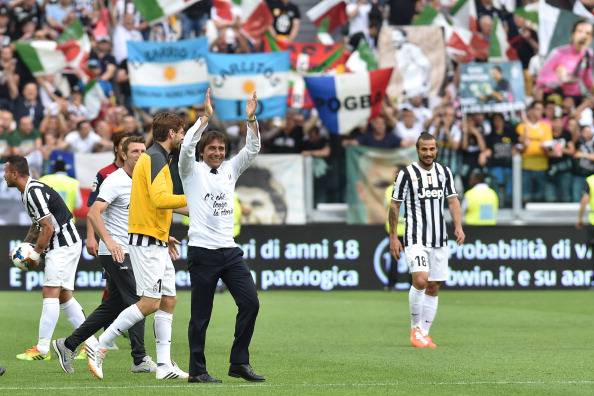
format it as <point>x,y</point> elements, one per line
<point>427,259</point>
<point>60,266</point>
<point>153,270</point>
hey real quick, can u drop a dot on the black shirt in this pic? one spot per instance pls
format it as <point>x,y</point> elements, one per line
<point>501,144</point>
<point>284,15</point>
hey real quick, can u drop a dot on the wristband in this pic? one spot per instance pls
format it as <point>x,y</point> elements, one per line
<point>34,256</point>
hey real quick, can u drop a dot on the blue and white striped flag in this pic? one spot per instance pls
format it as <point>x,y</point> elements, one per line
<point>233,78</point>
<point>168,74</point>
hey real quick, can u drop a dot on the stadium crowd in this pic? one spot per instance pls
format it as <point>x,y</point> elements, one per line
<point>44,116</point>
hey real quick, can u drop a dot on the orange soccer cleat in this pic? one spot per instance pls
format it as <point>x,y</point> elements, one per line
<point>417,339</point>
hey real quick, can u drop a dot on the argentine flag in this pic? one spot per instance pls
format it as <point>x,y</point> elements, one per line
<point>347,100</point>
<point>233,78</point>
<point>168,74</point>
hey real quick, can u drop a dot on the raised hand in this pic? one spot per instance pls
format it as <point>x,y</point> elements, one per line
<point>207,104</point>
<point>251,106</point>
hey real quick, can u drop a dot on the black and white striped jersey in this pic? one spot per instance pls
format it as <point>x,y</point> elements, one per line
<point>42,201</point>
<point>423,193</point>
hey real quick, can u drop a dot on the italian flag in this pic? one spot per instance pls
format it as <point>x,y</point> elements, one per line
<point>464,14</point>
<point>255,15</point>
<point>499,48</point>
<point>363,59</point>
<point>41,57</point>
<point>93,98</point>
<point>334,10</point>
<point>153,10</point>
<point>323,35</point>
<point>76,46</point>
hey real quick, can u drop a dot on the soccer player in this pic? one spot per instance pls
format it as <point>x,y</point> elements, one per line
<point>212,253</point>
<point>53,233</point>
<point>423,186</point>
<point>109,215</point>
<point>151,248</point>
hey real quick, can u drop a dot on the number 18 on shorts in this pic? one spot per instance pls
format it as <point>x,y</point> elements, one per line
<point>428,259</point>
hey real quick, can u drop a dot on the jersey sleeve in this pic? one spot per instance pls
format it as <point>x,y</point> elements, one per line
<point>95,190</point>
<point>38,202</point>
<point>450,190</point>
<point>400,186</point>
<point>108,191</point>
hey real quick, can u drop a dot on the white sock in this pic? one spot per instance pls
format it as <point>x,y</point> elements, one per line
<point>429,311</point>
<point>126,319</point>
<point>163,324</point>
<point>415,304</point>
<point>47,323</point>
<point>73,312</point>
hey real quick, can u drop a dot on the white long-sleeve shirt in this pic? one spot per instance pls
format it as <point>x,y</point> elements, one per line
<point>210,195</point>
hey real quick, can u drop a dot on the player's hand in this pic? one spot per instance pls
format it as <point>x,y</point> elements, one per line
<point>460,237</point>
<point>395,247</point>
<point>173,252</point>
<point>208,111</point>
<point>251,106</point>
<point>30,264</point>
<point>117,253</point>
<point>92,246</point>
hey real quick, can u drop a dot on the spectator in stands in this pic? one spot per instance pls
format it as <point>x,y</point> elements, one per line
<point>124,32</point>
<point>6,26</point>
<point>9,78</point>
<point>446,130</point>
<point>402,11</point>
<point>533,132</point>
<point>194,18</point>
<point>59,14</point>
<point>29,104</point>
<point>85,140</point>
<point>76,107</point>
<point>288,139</point>
<point>287,19</point>
<point>421,111</point>
<point>102,53</point>
<point>26,138</point>
<point>408,128</point>
<point>5,134</point>
<point>317,147</point>
<point>473,146</point>
<point>569,67</point>
<point>584,164</point>
<point>94,67</point>
<point>501,144</point>
<point>560,151</point>
<point>378,136</point>
<point>130,126</point>
<point>358,13</point>
<point>27,12</point>
<point>53,124</point>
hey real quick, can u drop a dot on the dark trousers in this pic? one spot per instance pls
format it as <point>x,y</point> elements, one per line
<point>206,267</point>
<point>121,294</point>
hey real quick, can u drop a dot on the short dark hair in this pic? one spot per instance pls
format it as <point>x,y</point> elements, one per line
<point>578,23</point>
<point>534,103</point>
<point>19,164</point>
<point>425,136</point>
<point>163,122</point>
<point>210,136</point>
<point>132,139</point>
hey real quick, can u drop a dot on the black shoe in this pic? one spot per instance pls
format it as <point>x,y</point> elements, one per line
<point>244,371</point>
<point>204,378</point>
<point>2,371</point>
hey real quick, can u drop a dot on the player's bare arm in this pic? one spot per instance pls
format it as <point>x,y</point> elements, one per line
<point>250,109</point>
<point>96,220</point>
<point>32,234</point>
<point>44,235</point>
<point>456,212</point>
<point>395,245</point>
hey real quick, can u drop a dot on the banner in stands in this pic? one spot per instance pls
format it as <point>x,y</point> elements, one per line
<point>271,191</point>
<point>492,87</point>
<point>341,257</point>
<point>370,171</point>
<point>422,61</point>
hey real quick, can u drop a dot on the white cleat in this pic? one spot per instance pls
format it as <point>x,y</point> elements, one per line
<point>170,372</point>
<point>95,364</point>
<point>146,366</point>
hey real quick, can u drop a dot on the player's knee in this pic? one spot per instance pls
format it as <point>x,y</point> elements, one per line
<point>148,305</point>
<point>420,283</point>
<point>168,303</point>
<point>432,288</point>
<point>250,306</point>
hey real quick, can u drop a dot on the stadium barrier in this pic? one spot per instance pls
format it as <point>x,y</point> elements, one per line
<point>342,257</point>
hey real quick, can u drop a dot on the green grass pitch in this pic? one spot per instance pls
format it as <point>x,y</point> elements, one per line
<point>342,343</point>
